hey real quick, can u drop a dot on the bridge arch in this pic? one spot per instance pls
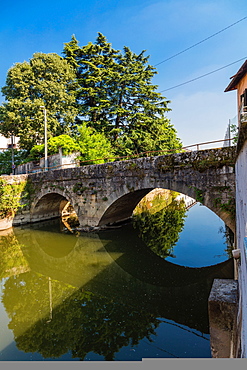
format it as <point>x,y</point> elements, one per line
<point>109,192</point>
<point>121,207</point>
<point>50,204</point>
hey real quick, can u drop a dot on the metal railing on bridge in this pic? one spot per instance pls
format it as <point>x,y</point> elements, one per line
<point>187,148</point>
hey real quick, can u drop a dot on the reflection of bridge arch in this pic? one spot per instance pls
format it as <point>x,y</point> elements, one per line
<point>127,267</point>
<point>127,251</point>
<point>75,260</point>
<point>142,263</point>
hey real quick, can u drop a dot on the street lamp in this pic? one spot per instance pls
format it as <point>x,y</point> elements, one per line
<point>12,154</point>
<point>45,128</point>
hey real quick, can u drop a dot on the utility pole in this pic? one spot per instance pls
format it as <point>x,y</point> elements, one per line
<point>12,155</point>
<point>229,127</point>
<point>45,130</point>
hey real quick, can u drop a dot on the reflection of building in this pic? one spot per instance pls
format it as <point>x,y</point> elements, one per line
<point>189,202</point>
<point>239,83</point>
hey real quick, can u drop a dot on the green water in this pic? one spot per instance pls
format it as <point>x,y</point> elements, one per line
<point>117,294</point>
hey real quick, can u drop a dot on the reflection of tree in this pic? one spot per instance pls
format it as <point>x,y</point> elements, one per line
<point>26,298</point>
<point>228,235</point>
<point>12,260</point>
<point>81,322</point>
<point>160,230</point>
<point>52,318</point>
<point>155,201</point>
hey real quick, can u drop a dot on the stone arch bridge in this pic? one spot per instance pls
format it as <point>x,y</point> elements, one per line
<point>108,193</point>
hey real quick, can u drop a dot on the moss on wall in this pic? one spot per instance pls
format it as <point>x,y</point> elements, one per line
<point>10,197</point>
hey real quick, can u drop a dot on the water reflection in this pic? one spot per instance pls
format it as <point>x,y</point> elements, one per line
<point>101,294</point>
<point>160,229</point>
<point>81,322</point>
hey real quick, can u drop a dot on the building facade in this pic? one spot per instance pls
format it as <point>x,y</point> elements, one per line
<point>239,83</point>
<point>6,143</point>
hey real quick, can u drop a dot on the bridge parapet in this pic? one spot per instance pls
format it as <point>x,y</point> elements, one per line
<point>108,193</point>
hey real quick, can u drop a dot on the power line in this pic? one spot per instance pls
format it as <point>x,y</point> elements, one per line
<point>160,349</point>
<point>200,42</point>
<point>206,74</point>
<point>183,328</point>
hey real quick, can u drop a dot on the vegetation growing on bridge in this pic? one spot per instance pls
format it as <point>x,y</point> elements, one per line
<point>199,194</point>
<point>225,200</point>
<point>15,196</point>
<point>10,197</point>
<point>79,188</point>
<point>199,160</point>
<point>227,206</point>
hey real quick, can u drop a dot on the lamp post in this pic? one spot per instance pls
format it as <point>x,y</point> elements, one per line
<point>45,128</point>
<point>12,154</point>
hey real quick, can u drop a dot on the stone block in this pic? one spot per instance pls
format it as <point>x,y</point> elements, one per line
<point>223,307</point>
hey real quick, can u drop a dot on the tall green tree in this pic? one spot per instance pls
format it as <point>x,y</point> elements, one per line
<point>116,95</point>
<point>139,111</point>
<point>6,160</point>
<point>46,80</point>
<point>93,145</point>
<point>95,68</point>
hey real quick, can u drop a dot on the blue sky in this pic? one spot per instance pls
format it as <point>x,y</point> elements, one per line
<point>201,109</point>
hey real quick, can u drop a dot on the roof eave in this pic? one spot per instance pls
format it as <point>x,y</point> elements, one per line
<point>237,77</point>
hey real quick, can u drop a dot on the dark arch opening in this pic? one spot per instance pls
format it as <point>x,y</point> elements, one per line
<point>53,205</point>
<point>160,224</point>
<point>123,207</point>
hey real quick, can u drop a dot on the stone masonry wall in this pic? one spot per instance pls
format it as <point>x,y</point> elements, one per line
<point>109,192</point>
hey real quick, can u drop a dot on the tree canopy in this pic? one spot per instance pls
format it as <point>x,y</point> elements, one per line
<point>109,90</point>
<point>93,145</point>
<point>89,144</point>
<point>6,160</point>
<point>116,95</point>
<point>46,80</point>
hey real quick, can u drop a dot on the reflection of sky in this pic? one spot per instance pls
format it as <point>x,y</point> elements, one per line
<point>12,353</point>
<point>200,243</point>
<point>171,340</point>
<point>6,336</point>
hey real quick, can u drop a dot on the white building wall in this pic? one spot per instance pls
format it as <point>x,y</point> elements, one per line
<point>241,233</point>
<point>3,142</point>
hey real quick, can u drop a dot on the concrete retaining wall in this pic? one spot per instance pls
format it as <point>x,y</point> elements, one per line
<point>55,161</point>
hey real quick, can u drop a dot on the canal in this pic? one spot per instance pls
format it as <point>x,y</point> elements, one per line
<point>138,290</point>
